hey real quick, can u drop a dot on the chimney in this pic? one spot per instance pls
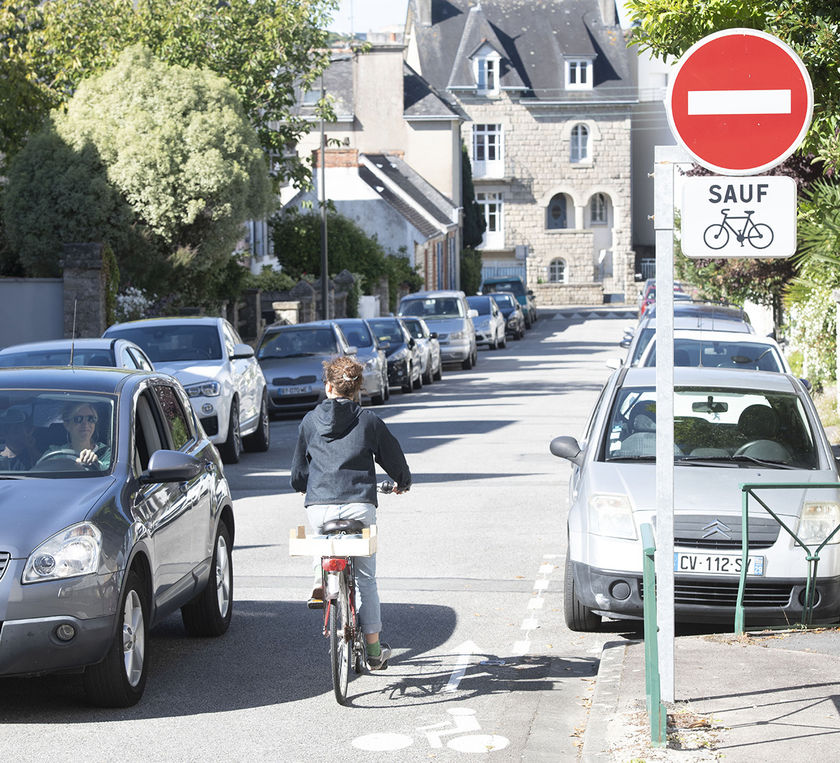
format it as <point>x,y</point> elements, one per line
<point>424,12</point>
<point>608,12</point>
<point>379,90</point>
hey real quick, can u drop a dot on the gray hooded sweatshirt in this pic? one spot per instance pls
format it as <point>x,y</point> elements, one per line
<point>337,446</point>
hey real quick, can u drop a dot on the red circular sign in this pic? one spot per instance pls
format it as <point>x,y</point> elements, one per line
<point>740,101</point>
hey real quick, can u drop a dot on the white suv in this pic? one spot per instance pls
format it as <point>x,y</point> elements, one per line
<point>219,372</point>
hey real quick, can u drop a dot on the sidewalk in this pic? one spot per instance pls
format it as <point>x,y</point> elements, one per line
<point>766,696</point>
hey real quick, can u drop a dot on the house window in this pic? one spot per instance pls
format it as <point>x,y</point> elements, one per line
<point>557,271</point>
<point>311,97</point>
<point>598,209</point>
<point>486,70</point>
<point>487,151</point>
<point>578,74</point>
<point>557,213</point>
<point>580,144</point>
<point>491,208</point>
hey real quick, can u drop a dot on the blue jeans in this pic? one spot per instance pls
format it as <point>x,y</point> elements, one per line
<point>367,595</point>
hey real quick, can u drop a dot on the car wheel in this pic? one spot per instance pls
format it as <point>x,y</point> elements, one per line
<point>578,618</point>
<point>438,375</point>
<point>503,341</point>
<point>527,323</point>
<point>418,382</point>
<point>387,388</point>
<point>428,377</point>
<point>467,363</point>
<point>231,448</point>
<point>120,678</point>
<point>408,385</point>
<point>209,613</point>
<point>379,398</point>
<point>260,440</point>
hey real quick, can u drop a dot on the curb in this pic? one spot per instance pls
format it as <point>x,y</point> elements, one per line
<point>604,702</point>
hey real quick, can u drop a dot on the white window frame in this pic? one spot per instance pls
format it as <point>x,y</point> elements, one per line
<point>553,268</point>
<point>579,144</point>
<point>599,209</point>
<point>492,208</point>
<point>486,71</point>
<point>488,151</point>
<point>578,74</point>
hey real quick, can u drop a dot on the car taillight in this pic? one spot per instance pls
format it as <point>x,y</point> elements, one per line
<point>330,564</point>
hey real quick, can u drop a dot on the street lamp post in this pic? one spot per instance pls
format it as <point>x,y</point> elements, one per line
<point>325,308</point>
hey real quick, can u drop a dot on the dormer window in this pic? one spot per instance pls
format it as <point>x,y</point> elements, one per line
<point>578,74</point>
<point>486,69</point>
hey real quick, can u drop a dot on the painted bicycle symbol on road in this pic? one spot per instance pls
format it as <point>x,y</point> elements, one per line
<point>759,235</point>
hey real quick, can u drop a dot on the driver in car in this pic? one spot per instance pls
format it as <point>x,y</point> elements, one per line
<point>20,450</point>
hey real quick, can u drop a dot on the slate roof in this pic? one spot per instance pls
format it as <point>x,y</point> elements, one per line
<point>536,37</point>
<point>406,191</point>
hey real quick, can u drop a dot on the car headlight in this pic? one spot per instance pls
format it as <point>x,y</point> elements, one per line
<point>457,334</point>
<point>611,515</point>
<point>69,553</point>
<point>204,389</point>
<point>818,520</point>
<point>400,354</point>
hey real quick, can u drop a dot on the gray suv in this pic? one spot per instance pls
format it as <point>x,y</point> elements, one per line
<point>448,314</point>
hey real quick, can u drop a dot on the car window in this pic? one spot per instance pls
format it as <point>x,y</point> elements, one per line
<point>174,416</point>
<point>172,342</point>
<point>514,286</point>
<point>140,359</point>
<point>298,343</point>
<point>415,328</point>
<point>717,425</point>
<point>357,334</point>
<point>433,307</point>
<point>231,338</point>
<point>388,331</point>
<point>644,339</point>
<point>482,304</point>
<point>721,354</point>
<point>59,357</point>
<point>147,437</point>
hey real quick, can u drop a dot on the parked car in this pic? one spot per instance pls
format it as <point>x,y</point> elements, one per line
<point>359,334</point>
<point>105,352</point>
<point>512,312</point>
<point>450,317</point>
<point>292,360</point>
<point>489,323</point>
<point>402,352</point>
<point>648,295</point>
<point>92,557</point>
<point>515,286</point>
<point>431,363</point>
<point>219,372</point>
<point>730,427</point>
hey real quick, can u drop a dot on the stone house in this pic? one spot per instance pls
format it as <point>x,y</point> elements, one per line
<point>548,88</point>
<point>388,122</point>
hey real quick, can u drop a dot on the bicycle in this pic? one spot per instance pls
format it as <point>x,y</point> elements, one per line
<point>341,627</point>
<point>716,236</point>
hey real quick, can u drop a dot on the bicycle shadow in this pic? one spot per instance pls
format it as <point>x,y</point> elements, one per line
<point>274,653</point>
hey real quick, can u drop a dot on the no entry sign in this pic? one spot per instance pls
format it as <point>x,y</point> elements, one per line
<point>740,101</point>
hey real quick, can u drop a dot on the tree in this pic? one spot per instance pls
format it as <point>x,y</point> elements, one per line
<point>181,157</point>
<point>265,48</point>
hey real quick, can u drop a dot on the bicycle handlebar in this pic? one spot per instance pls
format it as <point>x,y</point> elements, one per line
<point>386,486</point>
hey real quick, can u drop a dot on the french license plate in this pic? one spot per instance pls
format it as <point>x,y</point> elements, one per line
<point>302,389</point>
<point>716,564</point>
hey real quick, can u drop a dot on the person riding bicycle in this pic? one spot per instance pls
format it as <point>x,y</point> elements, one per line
<point>333,464</point>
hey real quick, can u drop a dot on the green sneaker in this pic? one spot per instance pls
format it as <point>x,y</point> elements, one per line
<point>380,662</point>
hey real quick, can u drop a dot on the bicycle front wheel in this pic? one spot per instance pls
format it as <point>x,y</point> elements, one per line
<point>716,236</point>
<point>341,644</point>
<point>761,236</point>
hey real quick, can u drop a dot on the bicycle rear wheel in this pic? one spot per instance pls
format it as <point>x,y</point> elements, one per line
<point>340,643</point>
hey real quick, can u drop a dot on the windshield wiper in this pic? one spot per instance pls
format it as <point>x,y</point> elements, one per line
<point>763,462</point>
<point>631,458</point>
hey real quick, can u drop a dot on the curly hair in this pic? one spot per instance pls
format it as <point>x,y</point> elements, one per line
<point>345,375</point>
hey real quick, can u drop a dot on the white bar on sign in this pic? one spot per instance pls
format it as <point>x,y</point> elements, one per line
<point>711,102</point>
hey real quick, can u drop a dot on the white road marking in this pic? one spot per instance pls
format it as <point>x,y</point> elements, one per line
<point>478,743</point>
<point>520,648</point>
<point>722,102</point>
<point>466,652</point>
<point>384,742</point>
<point>536,602</point>
<point>546,569</point>
<point>540,584</point>
<point>530,624</point>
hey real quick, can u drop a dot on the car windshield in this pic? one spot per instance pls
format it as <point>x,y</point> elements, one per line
<point>172,342</point>
<point>42,433</point>
<point>414,328</point>
<point>721,354</point>
<point>298,343</point>
<point>433,307</point>
<point>57,357</point>
<point>724,426</point>
<point>482,304</point>
<point>357,334</point>
<point>505,301</point>
<point>388,331</point>
<point>514,286</point>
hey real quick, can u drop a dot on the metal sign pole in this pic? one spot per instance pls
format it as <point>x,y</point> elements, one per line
<point>665,158</point>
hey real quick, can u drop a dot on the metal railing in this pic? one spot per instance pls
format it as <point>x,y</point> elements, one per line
<point>811,556</point>
<point>657,713</point>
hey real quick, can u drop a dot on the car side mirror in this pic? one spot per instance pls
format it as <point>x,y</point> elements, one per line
<point>433,335</point>
<point>472,313</point>
<point>568,448</point>
<point>808,386</point>
<point>171,466</point>
<point>412,343</point>
<point>530,292</point>
<point>241,351</point>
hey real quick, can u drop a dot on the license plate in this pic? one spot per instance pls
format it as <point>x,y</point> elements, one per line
<point>299,390</point>
<point>716,564</point>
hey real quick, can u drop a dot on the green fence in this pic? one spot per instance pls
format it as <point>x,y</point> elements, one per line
<point>657,714</point>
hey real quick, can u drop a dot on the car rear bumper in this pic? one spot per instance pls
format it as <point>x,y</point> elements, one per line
<point>283,403</point>
<point>707,598</point>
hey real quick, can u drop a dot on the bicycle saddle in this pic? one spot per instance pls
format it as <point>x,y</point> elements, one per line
<point>335,526</point>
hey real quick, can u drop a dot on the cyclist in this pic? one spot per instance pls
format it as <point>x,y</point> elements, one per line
<point>338,443</point>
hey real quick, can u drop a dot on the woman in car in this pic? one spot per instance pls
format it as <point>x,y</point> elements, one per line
<point>334,465</point>
<point>81,420</point>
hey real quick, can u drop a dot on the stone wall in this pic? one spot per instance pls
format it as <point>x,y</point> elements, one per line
<point>555,295</point>
<point>84,290</point>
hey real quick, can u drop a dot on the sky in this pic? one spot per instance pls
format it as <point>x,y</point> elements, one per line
<point>368,15</point>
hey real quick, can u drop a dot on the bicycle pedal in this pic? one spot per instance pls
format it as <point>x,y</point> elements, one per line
<point>315,604</point>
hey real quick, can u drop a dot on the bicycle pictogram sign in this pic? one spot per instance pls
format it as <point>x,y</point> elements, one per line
<point>758,235</point>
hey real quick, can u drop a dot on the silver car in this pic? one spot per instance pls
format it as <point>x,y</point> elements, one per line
<point>95,550</point>
<point>98,351</point>
<point>450,317</point>
<point>489,323</point>
<point>431,364</point>
<point>730,427</point>
<point>372,357</point>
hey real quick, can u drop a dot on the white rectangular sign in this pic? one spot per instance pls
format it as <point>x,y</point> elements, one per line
<point>738,216</point>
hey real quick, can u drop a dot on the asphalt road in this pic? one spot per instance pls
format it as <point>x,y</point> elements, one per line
<point>470,571</point>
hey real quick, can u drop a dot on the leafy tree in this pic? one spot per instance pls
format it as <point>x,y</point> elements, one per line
<point>470,271</point>
<point>474,222</point>
<point>265,48</point>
